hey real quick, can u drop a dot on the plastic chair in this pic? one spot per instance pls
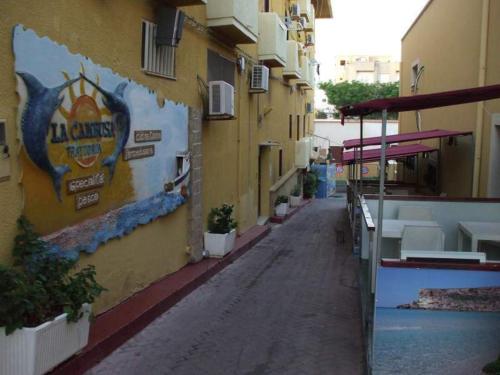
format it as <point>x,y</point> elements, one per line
<point>416,237</point>
<point>415,213</point>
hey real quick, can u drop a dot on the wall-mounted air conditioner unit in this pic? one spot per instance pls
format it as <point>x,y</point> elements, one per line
<point>302,23</point>
<point>221,99</point>
<point>309,107</point>
<point>309,40</point>
<point>260,79</point>
<point>295,12</point>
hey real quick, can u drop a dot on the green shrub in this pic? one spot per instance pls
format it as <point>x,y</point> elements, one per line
<point>280,199</point>
<point>296,191</point>
<point>42,285</point>
<point>220,219</point>
<point>310,184</point>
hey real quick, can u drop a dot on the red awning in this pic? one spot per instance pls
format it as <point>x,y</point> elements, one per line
<point>391,153</point>
<point>417,102</point>
<point>406,137</point>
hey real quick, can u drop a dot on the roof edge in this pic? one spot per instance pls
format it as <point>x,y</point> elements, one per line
<point>417,19</point>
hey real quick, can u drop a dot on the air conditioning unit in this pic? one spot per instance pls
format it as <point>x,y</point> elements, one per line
<point>309,40</point>
<point>309,107</point>
<point>303,22</point>
<point>221,99</point>
<point>295,12</point>
<point>288,22</point>
<point>260,79</point>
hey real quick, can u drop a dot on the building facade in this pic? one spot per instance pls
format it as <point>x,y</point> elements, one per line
<point>122,123</point>
<point>366,69</point>
<point>454,45</point>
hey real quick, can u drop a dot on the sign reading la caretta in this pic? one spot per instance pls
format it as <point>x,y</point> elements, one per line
<point>98,149</point>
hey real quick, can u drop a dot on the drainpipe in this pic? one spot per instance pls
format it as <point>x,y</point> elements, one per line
<point>380,215</point>
<point>480,106</point>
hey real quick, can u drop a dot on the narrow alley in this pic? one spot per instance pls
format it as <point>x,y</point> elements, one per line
<point>288,306</point>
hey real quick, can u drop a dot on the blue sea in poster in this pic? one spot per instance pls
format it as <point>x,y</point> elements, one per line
<point>434,342</point>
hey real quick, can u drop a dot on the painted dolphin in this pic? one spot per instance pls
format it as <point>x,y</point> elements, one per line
<point>115,102</point>
<point>35,120</point>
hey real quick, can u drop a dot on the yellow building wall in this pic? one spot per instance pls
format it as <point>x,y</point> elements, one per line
<point>445,39</point>
<point>109,33</point>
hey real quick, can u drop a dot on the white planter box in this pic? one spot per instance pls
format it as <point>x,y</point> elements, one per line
<point>34,351</point>
<point>295,201</point>
<point>217,245</point>
<point>281,209</point>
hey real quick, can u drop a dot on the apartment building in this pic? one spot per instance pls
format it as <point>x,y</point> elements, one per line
<point>367,69</point>
<point>123,122</point>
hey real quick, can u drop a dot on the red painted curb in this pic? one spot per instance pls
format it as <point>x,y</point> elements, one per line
<point>115,326</point>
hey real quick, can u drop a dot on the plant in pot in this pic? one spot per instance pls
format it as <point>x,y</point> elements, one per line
<point>221,235</point>
<point>295,196</point>
<point>281,205</point>
<point>44,306</point>
<point>310,184</point>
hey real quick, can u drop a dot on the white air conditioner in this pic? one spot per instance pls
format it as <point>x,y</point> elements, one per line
<point>260,79</point>
<point>303,22</point>
<point>221,99</point>
<point>295,11</point>
<point>309,40</point>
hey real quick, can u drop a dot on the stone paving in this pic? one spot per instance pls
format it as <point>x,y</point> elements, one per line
<point>288,306</point>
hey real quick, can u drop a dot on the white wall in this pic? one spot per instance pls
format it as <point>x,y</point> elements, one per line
<point>337,134</point>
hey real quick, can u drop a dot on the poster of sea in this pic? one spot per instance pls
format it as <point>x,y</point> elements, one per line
<point>435,321</point>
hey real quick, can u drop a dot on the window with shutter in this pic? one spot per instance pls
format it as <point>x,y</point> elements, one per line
<point>156,59</point>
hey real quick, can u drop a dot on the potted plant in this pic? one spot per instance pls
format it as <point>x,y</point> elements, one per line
<point>295,196</point>
<point>281,205</point>
<point>310,184</point>
<point>221,235</point>
<point>44,306</point>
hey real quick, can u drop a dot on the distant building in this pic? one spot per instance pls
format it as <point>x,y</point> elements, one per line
<point>367,69</point>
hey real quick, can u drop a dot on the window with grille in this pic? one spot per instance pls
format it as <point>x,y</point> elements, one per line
<point>158,60</point>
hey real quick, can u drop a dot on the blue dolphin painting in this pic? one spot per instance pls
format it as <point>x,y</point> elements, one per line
<point>116,104</point>
<point>35,120</point>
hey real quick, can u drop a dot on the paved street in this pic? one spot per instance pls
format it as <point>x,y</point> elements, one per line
<point>288,306</point>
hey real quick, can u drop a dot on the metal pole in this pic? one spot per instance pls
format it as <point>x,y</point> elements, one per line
<point>378,249</point>
<point>354,205</point>
<point>361,155</point>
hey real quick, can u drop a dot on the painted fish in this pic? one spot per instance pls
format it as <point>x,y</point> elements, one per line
<point>115,102</point>
<point>35,120</point>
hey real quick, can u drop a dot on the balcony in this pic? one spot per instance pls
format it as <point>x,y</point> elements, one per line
<point>292,67</point>
<point>182,3</point>
<point>309,26</point>
<point>234,20</point>
<point>272,40</point>
<point>306,9</point>
<point>305,73</point>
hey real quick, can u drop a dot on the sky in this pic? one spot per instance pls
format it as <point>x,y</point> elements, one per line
<point>363,27</point>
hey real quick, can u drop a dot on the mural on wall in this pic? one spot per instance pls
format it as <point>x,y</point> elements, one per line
<point>100,153</point>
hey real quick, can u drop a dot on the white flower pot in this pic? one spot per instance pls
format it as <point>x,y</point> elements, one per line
<point>295,201</point>
<point>281,209</point>
<point>217,245</point>
<point>34,351</point>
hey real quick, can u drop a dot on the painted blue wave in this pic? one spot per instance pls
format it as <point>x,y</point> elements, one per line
<point>88,236</point>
